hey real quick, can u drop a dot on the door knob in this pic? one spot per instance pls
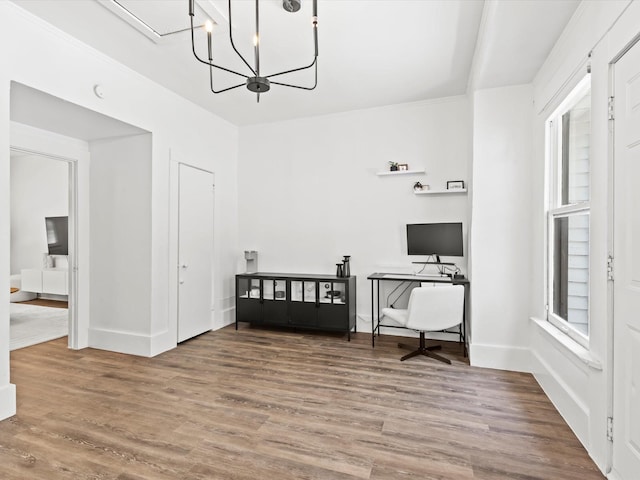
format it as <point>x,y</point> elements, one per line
<point>181,281</point>
<point>184,265</point>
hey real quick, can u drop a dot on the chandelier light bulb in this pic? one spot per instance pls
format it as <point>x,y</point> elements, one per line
<point>255,40</point>
<point>208,26</point>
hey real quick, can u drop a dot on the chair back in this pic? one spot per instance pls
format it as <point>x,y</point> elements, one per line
<point>432,309</point>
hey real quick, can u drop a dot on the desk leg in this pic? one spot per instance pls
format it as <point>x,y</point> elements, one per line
<point>373,324</point>
<point>464,321</point>
<point>378,306</point>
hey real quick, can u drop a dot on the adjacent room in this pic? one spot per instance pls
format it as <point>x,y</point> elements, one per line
<point>322,239</point>
<point>39,249</point>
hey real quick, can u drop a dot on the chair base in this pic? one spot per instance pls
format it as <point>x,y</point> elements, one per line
<point>423,350</point>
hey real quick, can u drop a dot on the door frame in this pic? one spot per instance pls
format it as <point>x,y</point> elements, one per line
<point>74,247</point>
<point>611,223</point>
<point>175,160</point>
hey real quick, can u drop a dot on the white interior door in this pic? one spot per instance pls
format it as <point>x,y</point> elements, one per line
<point>626,377</point>
<point>195,251</point>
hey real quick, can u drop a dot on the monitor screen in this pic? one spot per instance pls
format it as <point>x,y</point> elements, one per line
<point>442,239</point>
<point>57,235</point>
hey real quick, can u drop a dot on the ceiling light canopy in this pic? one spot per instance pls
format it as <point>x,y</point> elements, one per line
<point>254,81</point>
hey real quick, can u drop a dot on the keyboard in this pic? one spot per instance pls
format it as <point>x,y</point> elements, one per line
<point>424,277</point>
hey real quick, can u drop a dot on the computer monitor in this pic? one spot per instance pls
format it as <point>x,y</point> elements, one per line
<point>439,239</point>
<point>57,235</point>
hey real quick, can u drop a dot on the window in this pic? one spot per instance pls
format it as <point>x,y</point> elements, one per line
<point>569,135</point>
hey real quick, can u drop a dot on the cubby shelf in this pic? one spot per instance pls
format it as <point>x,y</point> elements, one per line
<point>401,172</point>
<point>440,192</point>
<point>321,302</point>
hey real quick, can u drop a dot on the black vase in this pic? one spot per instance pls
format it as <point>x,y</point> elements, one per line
<point>346,269</point>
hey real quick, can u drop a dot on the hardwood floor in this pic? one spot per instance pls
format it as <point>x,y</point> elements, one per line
<point>44,302</point>
<point>276,404</point>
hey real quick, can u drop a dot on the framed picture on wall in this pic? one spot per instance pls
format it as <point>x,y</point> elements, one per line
<point>455,185</point>
<point>403,166</point>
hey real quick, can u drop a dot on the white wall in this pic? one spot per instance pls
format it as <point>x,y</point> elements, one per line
<point>500,232</point>
<point>578,380</point>
<point>176,125</point>
<point>39,189</point>
<point>309,192</point>
<point>120,208</point>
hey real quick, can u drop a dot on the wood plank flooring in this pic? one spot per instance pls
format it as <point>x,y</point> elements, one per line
<point>45,302</point>
<point>278,404</point>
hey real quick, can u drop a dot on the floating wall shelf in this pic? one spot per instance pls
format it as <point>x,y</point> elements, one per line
<point>400,172</point>
<point>440,192</point>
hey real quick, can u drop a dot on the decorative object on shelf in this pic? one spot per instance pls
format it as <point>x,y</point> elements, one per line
<point>339,270</point>
<point>254,81</point>
<point>403,167</point>
<point>47,261</point>
<point>346,269</point>
<point>455,185</point>
<point>419,187</point>
<point>251,256</point>
<point>393,166</point>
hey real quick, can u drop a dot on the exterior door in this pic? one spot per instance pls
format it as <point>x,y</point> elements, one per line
<point>626,303</point>
<point>195,252</point>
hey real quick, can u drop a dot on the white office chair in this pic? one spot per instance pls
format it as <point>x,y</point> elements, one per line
<point>430,310</point>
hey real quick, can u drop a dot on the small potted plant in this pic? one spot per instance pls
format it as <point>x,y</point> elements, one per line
<point>417,187</point>
<point>393,166</point>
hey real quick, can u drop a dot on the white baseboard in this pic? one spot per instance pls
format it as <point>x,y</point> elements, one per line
<point>225,317</point>
<point>7,401</point>
<point>614,475</point>
<point>145,345</point>
<point>121,342</point>
<point>162,342</point>
<point>516,359</point>
<point>568,404</point>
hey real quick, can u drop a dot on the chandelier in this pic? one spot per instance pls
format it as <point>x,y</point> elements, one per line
<point>254,81</point>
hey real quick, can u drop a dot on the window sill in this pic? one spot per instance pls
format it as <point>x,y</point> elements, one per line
<point>577,350</point>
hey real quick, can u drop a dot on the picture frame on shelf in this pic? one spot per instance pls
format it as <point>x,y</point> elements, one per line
<point>403,167</point>
<point>455,185</point>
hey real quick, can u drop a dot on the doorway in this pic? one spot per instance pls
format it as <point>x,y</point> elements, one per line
<point>195,251</point>
<point>43,236</point>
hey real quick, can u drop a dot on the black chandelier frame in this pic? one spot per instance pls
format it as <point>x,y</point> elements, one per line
<point>254,82</point>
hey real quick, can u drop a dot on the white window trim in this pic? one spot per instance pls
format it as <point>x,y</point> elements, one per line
<point>552,192</point>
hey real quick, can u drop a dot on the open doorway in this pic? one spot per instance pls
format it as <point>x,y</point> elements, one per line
<point>99,199</point>
<point>39,258</point>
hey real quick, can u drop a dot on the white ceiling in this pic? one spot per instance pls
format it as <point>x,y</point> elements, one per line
<point>371,52</point>
<point>46,112</point>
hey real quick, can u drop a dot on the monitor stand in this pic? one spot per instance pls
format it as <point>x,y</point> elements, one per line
<point>435,260</point>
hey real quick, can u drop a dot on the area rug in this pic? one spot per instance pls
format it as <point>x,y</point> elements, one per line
<point>32,324</point>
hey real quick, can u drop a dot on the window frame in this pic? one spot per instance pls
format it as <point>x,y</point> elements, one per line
<point>554,208</point>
